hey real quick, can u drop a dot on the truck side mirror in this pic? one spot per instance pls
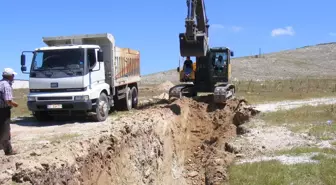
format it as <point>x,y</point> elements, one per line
<point>231,53</point>
<point>23,60</point>
<point>178,69</point>
<point>100,56</point>
<point>23,68</point>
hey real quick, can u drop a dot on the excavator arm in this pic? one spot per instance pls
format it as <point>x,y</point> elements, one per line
<point>194,41</point>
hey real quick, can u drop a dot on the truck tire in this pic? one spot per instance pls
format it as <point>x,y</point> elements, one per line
<point>42,116</point>
<point>102,108</point>
<point>127,101</point>
<point>134,97</point>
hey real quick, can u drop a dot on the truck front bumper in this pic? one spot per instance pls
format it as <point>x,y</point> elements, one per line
<point>60,105</point>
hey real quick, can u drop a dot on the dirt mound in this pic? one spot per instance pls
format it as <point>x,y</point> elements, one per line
<point>165,86</point>
<point>182,142</point>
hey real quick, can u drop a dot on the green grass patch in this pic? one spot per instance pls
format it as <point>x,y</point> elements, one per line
<point>276,173</point>
<point>277,90</point>
<point>304,150</point>
<point>307,118</point>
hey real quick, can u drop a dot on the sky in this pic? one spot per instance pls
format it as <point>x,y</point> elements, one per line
<point>152,27</point>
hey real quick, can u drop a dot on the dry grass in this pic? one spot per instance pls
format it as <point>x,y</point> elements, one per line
<point>277,90</point>
<point>20,96</point>
<point>311,119</point>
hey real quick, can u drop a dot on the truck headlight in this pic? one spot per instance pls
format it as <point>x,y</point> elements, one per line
<point>82,98</point>
<point>31,98</point>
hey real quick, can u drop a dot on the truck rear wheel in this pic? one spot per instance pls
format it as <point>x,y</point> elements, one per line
<point>127,101</point>
<point>102,108</point>
<point>134,97</point>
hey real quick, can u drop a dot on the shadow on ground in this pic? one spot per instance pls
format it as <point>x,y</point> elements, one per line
<point>32,122</point>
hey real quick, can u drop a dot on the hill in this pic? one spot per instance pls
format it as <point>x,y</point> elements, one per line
<point>318,61</point>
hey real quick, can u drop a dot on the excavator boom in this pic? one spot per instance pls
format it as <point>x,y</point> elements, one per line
<point>194,41</point>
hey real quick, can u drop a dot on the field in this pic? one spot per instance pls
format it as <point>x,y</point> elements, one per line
<point>284,134</point>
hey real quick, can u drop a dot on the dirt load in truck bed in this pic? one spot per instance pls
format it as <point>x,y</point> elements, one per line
<point>178,142</point>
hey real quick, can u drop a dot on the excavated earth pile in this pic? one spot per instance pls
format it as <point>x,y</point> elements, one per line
<point>181,142</point>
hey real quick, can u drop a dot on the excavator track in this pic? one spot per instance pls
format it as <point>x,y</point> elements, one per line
<point>224,92</point>
<point>221,93</point>
<point>181,90</point>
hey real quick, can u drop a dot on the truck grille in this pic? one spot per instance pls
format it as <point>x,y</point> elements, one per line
<point>55,98</point>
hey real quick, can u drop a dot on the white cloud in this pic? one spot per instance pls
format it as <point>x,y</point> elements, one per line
<point>333,34</point>
<point>236,28</point>
<point>283,31</point>
<point>217,26</point>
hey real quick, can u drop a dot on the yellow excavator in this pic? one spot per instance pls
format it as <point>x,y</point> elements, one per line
<point>211,72</point>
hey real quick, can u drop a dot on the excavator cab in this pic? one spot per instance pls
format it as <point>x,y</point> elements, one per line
<point>221,66</point>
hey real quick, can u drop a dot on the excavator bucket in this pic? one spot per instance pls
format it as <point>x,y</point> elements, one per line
<point>191,47</point>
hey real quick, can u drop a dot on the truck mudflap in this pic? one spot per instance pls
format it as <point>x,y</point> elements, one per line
<point>223,93</point>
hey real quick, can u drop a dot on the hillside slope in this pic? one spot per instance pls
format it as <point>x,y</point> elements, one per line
<point>318,61</point>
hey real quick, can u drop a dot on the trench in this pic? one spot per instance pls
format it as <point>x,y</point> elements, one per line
<point>181,142</point>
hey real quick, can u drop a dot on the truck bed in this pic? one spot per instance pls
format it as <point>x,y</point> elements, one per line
<point>127,66</point>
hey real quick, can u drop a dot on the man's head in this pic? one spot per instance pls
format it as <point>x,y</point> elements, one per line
<point>220,58</point>
<point>188,57</point>
<point>8,74</point>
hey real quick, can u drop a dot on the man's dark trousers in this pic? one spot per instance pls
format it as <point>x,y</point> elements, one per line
<point>5,136</point>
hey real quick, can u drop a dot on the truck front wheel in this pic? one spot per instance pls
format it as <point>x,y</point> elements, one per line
<point>102,108</point>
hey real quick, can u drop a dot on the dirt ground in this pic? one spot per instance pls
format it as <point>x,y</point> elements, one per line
<point>185,141</point>
<point>172,142</point>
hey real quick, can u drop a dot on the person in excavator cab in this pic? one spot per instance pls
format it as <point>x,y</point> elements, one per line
<point>221,64</point>
<point>188,66</point>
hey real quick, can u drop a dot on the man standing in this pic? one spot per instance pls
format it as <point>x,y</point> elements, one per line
<point>188,65</point>
<point>6,103</point>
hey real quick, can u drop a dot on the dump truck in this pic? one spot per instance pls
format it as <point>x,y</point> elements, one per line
<point>81,75</point>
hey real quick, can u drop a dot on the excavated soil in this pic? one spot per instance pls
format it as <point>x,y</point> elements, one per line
<point>180,142</point>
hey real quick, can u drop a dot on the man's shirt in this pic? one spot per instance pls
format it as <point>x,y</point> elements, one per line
<point>6,93</point>
<point>188,63</point>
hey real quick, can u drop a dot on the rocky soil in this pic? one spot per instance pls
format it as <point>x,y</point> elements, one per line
<point>260,141</point>
<point>173,142</point>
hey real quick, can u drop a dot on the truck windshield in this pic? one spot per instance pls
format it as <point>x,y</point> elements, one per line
<point>70,59</point>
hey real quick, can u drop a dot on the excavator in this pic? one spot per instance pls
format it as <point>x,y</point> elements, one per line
<point>211,72</point>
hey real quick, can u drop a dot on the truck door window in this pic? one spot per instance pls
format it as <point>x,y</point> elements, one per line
<point>37,63</point>
<point>91,57</point>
